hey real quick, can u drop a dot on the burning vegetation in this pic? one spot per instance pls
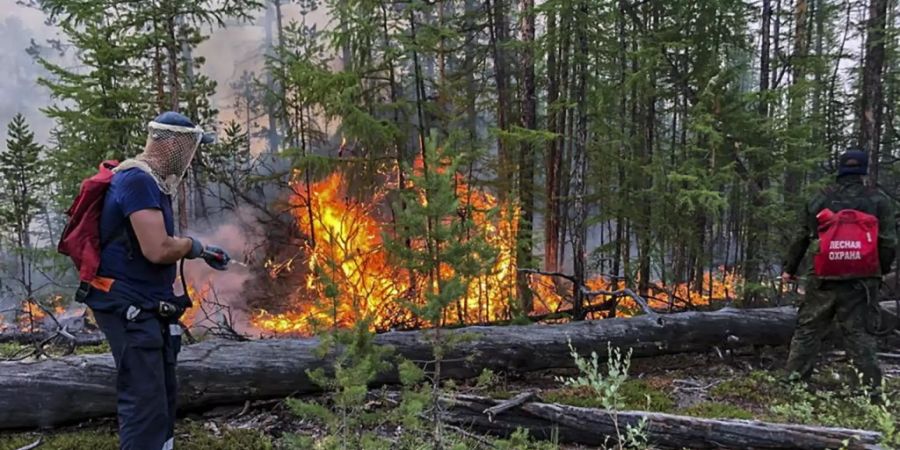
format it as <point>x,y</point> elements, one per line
<point>347,275</point>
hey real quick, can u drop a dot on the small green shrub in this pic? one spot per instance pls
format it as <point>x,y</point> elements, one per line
<point>847,407</point>
<point>607,388</point>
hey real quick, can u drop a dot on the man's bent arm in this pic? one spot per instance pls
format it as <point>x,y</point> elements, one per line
<point>157,246</point>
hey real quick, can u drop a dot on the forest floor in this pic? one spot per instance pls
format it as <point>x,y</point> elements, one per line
<point>744,385</point>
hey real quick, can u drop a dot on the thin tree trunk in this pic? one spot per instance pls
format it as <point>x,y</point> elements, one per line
<point>498,40</point>
<point>646,211</point>
<point>579,164</point>
<point>526,156</point>
<point>872,85</point>
<point>623,131</point>
<point>794,174</point>
<point>158,75</point>
<point>271,109</point>
<point>551,215</point>
<point>776,45</point>
<point>758,175</point>
<point>564,128</point>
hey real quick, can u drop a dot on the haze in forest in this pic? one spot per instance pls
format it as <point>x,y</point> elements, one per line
<point>229,52</point>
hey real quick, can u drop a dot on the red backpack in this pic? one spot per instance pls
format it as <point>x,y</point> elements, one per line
<point>81,238</point>
<point>848,245</point>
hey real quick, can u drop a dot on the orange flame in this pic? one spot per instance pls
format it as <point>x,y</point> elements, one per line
<point>31,316</point>
<point>197,296</point>
<point>349,277</point>
<point>722,285</point>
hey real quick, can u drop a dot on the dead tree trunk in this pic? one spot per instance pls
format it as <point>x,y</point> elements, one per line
<point>48,393</point>
<point>598,427</point>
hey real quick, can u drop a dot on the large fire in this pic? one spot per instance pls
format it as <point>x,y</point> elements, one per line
<point>348,277</point>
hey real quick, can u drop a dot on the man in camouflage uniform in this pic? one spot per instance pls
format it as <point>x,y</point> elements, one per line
<point>848,302</point>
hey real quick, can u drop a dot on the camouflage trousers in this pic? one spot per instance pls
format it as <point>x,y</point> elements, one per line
<point>845,304</point>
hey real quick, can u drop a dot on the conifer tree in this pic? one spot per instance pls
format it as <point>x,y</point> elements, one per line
<point>24,177</point>
<point>427,242</point>
<point>134,61</point>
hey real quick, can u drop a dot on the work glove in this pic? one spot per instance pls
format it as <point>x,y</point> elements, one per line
<point>215,257</point>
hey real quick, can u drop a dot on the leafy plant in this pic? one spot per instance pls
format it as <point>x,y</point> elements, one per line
<point>607,387</point>
<point>846,407</point>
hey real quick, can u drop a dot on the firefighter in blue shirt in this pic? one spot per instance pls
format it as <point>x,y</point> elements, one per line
<point>133,297</point>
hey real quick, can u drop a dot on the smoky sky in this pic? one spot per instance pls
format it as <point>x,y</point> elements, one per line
<point>19,91</point>
<point>229,52</point>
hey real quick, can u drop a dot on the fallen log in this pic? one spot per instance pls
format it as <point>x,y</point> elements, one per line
<point>78,339</point>
<point>52,392</point>
<point>591,426</point>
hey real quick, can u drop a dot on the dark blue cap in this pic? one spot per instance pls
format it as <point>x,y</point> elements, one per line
<point>180,120</point>
<point>853,162</point>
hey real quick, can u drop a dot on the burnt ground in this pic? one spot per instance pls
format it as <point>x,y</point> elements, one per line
<point>743,384</point>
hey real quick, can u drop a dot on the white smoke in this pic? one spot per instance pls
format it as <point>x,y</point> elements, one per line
<point>243,238</point>
<point>19,92</point>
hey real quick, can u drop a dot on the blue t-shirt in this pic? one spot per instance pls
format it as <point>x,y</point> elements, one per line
<point>133,190</point>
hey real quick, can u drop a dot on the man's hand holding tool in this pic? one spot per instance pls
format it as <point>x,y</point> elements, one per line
<point>215,257</point>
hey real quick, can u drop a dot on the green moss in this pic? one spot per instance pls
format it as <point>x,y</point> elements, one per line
<point>756,387</point>
<point>78,440</point>
<point>501,394</point>
<point>189,436</point>
<point>10,349</point>
<point>93,349</point>
<point>635,395</point>
<point>716,410</point>
<point>192,436</point>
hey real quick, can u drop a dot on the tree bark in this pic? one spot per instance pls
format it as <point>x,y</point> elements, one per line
<point>270,106</point>
<point>526,155</point>
<point>590,426</point>
<point>58,391</point>
<point>551,214</point>
<point>498,41</point>
<point>757,228</point>
<point>579,163</point>
<point>797,100</point>
<point>872,85</point>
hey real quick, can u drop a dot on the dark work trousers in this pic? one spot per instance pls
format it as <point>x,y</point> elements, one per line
<point>847,304</point>
<point>144,351</point>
